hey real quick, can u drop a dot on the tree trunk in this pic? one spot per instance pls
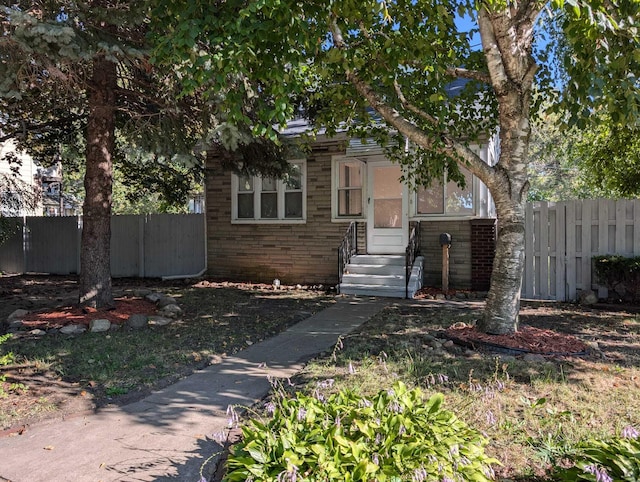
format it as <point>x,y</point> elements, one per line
<point>503,301</point>
<point>95,250</point>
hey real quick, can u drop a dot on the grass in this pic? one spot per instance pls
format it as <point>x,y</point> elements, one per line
<point>531,412</point>
<point>123,365</point>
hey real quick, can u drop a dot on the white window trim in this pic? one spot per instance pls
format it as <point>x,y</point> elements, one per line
<point>335,182</point>
<point>413,209</point>
<point>257,189</point>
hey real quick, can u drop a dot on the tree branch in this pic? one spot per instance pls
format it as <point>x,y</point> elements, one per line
<point>497,72</point>
<point>411,107</point>
<point>469,74</point>
<point>408,129</point>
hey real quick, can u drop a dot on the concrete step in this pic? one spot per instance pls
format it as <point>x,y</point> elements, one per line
<point>372,290</point>
<point>378,259</point>
<point>381,277</point>
<point>376,280</point>
<point>376,269</point>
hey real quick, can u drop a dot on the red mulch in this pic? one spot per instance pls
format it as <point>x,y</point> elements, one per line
<point>526,339</point>
<point>59,317</point>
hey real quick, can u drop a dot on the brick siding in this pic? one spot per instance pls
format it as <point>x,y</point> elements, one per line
<point>308,253</point>
<point>294,253</point>
<point>483,249</point>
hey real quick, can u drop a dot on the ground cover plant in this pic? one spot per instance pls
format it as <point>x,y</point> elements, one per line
<point>394,435</point>
<point>540,414</point>
<point>53,375</point>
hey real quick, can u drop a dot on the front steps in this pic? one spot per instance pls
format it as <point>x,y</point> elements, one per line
<point>380,275</point>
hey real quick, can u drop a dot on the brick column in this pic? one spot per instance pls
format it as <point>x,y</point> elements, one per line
<point>483,249</point>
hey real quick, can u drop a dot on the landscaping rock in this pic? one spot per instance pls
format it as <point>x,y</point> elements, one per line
<point>16,324</point>
<point>141,292</point>
<point>588,298</point>
<point>166,301</point>
<point>38,332</point>
<point>16,315</point>
<point>100,325</point>
<point>170,311</point>
<point>73,329</point>
<point>448,344</point>
<point>435,344</point>
<point>159,320</point>
<point>136,322</point>
<point>153,297</point>
<point>440,296</point>
<point>534,358</point>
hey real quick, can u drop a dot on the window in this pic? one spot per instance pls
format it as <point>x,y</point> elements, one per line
<point>348,182</point>
<point>447,199</point>
<point>268,199</point>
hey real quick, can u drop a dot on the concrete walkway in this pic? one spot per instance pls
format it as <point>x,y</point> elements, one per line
<point>168,435</point>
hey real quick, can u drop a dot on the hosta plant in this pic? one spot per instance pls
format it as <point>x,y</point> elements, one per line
<point>394,436</point>
<point>612,460</point>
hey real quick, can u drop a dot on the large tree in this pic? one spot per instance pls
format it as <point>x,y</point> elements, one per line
<point>77,75</point>
<point>573,163</point>
<point>403,59</point>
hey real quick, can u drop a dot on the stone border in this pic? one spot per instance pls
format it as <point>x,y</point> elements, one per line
<point>168,311</point>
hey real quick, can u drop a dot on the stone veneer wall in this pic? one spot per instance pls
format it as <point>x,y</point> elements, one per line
<point>294,253</point>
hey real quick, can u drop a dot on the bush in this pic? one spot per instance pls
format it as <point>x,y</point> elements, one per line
<point>613,270</point>
<point>395,436</point>
<point>6,359</point>
<point>613,460</point>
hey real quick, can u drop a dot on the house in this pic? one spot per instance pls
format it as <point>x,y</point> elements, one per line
<point>19,188</point>
<point>261,229</point>
<point>55,201</point>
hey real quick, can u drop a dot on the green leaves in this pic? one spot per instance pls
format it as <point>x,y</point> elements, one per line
<point>599,53</point>
<point>396,435</point>
<point>616,459</point>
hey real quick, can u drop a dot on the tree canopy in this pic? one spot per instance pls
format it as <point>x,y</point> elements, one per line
<point>76,77</point>
<point>409,63</point>
<point>573,163</point>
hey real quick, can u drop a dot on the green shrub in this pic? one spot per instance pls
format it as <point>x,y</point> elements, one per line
<point>614,269</point>
<point>395,436</point>
<point>612,460</point>
<point>6,359</point>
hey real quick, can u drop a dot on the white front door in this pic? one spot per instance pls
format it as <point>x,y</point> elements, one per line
<point>388,211</point>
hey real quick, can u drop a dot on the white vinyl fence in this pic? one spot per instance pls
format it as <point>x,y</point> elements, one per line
<point>142,246</point>
<point>562,238</point>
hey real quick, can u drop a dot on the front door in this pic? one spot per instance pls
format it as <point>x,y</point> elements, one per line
<point>387,215</point>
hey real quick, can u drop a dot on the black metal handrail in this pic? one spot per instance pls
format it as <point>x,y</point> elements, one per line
<point>411,253</point>
<point>348,247</point>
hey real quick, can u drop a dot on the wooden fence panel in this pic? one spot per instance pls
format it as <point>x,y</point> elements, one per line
<point>12,259</point>
<point>562,238</point>
<point>127,256</point>
<point>52,245</point>
<point>174,245</point>
<point>142,246</point>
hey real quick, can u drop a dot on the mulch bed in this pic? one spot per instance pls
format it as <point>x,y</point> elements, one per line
<point>527,339</point>
<point>59,317</point>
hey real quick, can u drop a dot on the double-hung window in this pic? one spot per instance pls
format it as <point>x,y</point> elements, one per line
<point>265,199</point>
<point>348,182</point>
<point>446,199</point>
